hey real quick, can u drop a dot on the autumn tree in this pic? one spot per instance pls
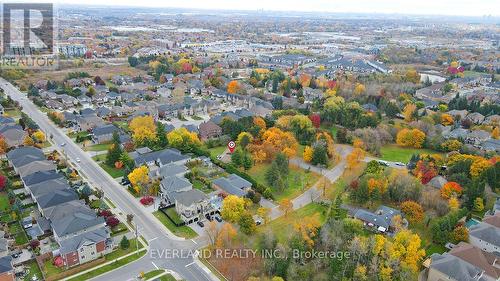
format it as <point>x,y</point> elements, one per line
<point>281,141</point>
<point>315,119</point>
<point>183,139</point>
<point>495,133</point>
<point>3,145</point>
<point>409,112</point>
<point>233,87</point>
<point>308,228</point>
<point>226,236</point>
<point>247,223</point>
<point>244,138</point>
<point>450,189</point>
<point>453,203</point>
<point>259,122</point>
<point>264,213</point>
<point>308,154</point>
<point>447,119</point>
<point>459,234</point>
<point>413,211</point>
<point>412,138</point>
<point>139,176</point>
<point>359,89</point>
<point>232,208</point>
<point>286,206</point>
<point>354,158</point>
<point>479,165</point>
<point>28,141</point>
<point>143,130</point>
<point>212,232</point>
<point>39,136</point>
<point>478,204</point>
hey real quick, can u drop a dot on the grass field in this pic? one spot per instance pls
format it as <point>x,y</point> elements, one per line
<point>201,186</point>
<point>151,274</point>
<point>183,231</point>
<point>4,202</point>
<point>298,180</point>
<point>216,151</point>
<point>97,147</point>
<point>34,270</point>
<point>112,171</point>
<point>282,227</point>
<point>401,154</point>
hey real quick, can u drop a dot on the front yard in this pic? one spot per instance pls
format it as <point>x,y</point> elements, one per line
<point>397,153</point>
<point>97,147</point>
<point>298,180</point>
<point>181,231</point>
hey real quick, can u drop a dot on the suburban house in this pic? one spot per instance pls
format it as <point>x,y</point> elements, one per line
<point>380,220</point>
<point>486,234</point>
<point>81,235</point>
<point>103,134</point>
<point>192,205</point>
<point>488,262</point>
<point>233,184</point>
<point>449,267</point>
<point>13,134</point>
<point>209,130</point>
<point>159,158</point>
<point>6,269</point>
<point>168,170</point>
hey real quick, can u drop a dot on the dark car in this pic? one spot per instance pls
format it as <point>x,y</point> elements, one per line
<point>217,218</point>
<point>125,181</point>
<point>209,218</point>
<point>200,223</point>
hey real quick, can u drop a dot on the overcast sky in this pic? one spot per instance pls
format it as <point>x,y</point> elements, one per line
<point>431,7</point>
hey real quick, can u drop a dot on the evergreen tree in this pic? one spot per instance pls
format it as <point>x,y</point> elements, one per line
<point>247,161</point>
<point>282,164</point>
<point>115,150</point>
<point>124,243</point>
<point>237,157</point>
<point>320,155</point>
<point>162,141</point>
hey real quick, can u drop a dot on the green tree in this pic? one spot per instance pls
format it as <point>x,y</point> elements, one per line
<point>237,157</point>
<point>247,223</point>
<point>161,134</point>
<point>124,243</point>
<point>247,161</point>
<point>114,151</point>
<point>320,155</point>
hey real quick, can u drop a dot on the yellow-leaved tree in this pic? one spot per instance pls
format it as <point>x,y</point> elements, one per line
<point>232,208</point>
<point>39,136</point>
<point>143,129</point>
<point>182,138</point>
<point>413,138</point>
<point>139,176</point>
<point>308,154</point>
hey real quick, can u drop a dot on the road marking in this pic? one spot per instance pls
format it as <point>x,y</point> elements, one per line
<point>152,239</point>
<point>194,241</point>
<point>154,265</point>
<point>189,264</point>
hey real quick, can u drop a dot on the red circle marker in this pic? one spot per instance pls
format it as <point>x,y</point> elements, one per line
<point>231,145</point>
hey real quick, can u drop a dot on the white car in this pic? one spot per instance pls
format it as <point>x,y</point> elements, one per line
<point>78,160</point>
<point>399,164</point>
<point>62,144</point>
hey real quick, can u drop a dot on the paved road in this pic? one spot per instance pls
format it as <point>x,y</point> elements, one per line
<point>161,240</point>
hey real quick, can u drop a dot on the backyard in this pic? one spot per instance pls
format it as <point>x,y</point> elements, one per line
<point>402,154</point>
<point>298,180</point>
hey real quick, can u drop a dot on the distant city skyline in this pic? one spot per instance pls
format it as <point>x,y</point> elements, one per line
<point>422,7</point>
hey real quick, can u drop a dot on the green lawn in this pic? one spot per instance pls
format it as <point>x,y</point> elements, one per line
<point>99,158</point>
<point>201,186</point>
<point>97,147</point>
<point>281,227</point>
<point>216,151</point>
<point>121,252</point>
<point>109,267</point>
<point>183,231</point>
<point>34,270</point>
<point>13,113</point>
<point>112,171</point>
<point>119,229</point>
<point>151,274</point>
<point>401,154</point>
<point>4,202</point>
<point>298,180</point>
<point>167,277</point>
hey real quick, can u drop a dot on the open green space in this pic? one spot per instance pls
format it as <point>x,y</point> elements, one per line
<point>4,202</point>
<point>166,277</point>
<point>112,171</point>
<point>298,180</point>
<point>109,267</point>
<point>282,226</point>
<point>201,186</point>
<point>216,151</point>
<point>402,154</point>
<point>97,147</point>
<point>151,274</point>
<point>181,231</point>
<point>34,271</point>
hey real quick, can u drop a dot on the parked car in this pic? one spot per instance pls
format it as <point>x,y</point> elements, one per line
<point>200,223</point>
<point>382,162</point>
<point>209,218</point>
<point>217,218</point>
<point>399,164</point>
<point>125,181</point>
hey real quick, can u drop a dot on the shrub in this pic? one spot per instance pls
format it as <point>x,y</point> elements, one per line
<point>147,200</point>
<point>112,221</point>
